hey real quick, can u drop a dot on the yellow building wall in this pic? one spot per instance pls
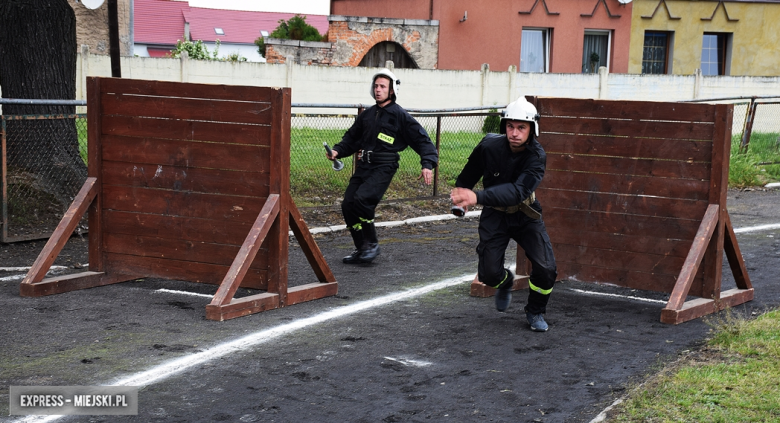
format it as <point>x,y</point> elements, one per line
<point>755,29</point>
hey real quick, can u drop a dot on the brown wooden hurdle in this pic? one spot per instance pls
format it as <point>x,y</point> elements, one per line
<point>635,195</point>
<point>188,182</point>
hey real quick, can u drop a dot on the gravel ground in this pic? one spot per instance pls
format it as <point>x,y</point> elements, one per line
<point>434,356</point>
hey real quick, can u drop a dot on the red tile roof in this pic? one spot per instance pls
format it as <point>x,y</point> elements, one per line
<point>162,22</point>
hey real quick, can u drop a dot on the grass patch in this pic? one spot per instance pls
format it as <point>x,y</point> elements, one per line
<point>735,379</point>
<point>759,164</point>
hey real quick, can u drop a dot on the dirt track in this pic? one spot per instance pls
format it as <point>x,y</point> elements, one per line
<point>441,356</point>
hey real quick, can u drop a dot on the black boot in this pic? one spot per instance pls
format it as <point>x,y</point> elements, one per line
<point>357,238</point>
<point>370,248</point>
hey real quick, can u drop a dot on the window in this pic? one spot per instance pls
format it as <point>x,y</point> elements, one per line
<point>714,54</point>
<point>657,52</point>
<point>595,51</point>
<point>535,50</point>
<point>219,31</point>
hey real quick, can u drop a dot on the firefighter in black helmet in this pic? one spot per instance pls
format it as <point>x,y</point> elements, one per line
<point>511,166</point>
<point>377,136</point>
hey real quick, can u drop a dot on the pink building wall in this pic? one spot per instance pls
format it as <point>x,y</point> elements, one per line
<point>492,30</point>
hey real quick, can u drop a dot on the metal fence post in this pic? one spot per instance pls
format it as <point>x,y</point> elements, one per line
<point>751,116</point>
<point>4,176</point>
<point>436,168</point>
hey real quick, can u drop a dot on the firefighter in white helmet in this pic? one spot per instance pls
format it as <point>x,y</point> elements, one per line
<point>378,135</point>
<point>511,165</point>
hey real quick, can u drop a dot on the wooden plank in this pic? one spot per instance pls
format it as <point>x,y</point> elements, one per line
<point>242,261</point>
<point>243,306</point>
<point>701,306</point>
<point>632,146</point>
<point>176,249</point>
<point>216,181</point>
<point>186,130</point>
<point>175,227</point>
<point>479,289</point>
<point>62,232</point>
<point>94,169</point>
<point>621,203</point>
<point>579,237</point>
<point>309,246</point>
<point>734,256</point>
<point>280,183</point>
<point>310,292</point>
<point>650,110</point>
<point>249,112</point>
<point>626,224</point>
<point>657,264</point>
<point>691,265</point>
<point>679,169</point>
<point>188,90</point>
<point>67,283</point>
<point>689,189</point>
<point>232,208</point>
<point>629,128</point>
<point>180,270</point>
<point>186,154</point>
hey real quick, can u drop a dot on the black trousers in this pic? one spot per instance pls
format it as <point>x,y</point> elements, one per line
<point>366,187</point>
<point>495,230</point>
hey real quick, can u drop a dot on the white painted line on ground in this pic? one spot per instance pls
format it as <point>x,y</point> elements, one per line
<point>409,362</point>
<point>52,271</point>
<point>174,367</point>
<point>649,300</point>
<point>757,228</point>
<point>172,291</point>
<point>27,268</point>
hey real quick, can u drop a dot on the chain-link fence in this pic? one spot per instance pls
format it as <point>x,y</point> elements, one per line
<point>44,156</point>
<point>43,168</point>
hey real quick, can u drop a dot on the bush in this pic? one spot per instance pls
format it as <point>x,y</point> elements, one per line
<point>491,123</point>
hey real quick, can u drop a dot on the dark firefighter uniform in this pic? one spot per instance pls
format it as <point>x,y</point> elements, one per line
<point>377,136</point>
<point>510,179</point>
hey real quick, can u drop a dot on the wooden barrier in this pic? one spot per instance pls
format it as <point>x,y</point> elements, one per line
<point>189,182</point>
<point>635,195</point>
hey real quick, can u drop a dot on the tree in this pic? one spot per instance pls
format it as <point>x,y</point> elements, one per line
<point>295,28</point>
<point>38,61</point>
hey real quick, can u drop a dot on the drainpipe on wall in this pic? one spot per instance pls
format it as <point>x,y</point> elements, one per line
<point>484,87</point>
<point>289,62</point>
<point>696,83</point>
<point>511,96</point>
<point>84,71</point>
<point>184,60</point>
<point>603,83</point>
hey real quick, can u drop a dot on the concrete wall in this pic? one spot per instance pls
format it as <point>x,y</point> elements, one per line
<point>754,28</point>
<point>426,88</point>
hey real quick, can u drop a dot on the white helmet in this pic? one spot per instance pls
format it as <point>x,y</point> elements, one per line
<point>522,110</point>
<point>394,82</point>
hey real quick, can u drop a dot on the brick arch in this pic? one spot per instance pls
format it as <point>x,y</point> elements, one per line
<point>381,52</point>
<point>353,37</point>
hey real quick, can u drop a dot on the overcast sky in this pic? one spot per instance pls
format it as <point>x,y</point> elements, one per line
<point>313,7</point>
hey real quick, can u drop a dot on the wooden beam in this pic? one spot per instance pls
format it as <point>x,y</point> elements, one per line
<point>311,291</point>
<point>701,306</point>
<point>242,306</point>
<point>692,262</point>
<point>67,283</point>
<point>734,256</point>
<point>479,289</point>
<point>62,233</point>
<point>248,252</point>
<point>309,246</point>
